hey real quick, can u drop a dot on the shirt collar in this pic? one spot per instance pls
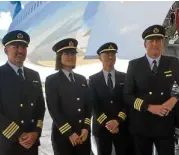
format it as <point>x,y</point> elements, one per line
<point>14,67</point>
<point>150,60</point>
<point>67,72</point>
<point>106,73</point>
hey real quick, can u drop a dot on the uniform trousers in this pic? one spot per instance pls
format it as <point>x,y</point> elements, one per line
<point>63,146</point>
<point>123,144</point>
<point>164,145</point>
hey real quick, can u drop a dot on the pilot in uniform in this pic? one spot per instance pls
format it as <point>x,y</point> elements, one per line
<point>68,101</point>
<point>108,110</point>
<point>148,85</point>
<point>22,105</point>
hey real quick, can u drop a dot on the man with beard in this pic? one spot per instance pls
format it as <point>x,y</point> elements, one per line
<point>148,86</point>
<point>109,111</point>
<point>22,104</point>
<point>68,102</point>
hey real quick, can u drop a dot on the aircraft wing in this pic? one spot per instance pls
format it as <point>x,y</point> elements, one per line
<point>123,23</point>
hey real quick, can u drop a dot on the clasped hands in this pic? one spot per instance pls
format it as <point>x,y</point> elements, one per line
<point>112,126</point>
<point>76,139</point>
<point>28,139</point>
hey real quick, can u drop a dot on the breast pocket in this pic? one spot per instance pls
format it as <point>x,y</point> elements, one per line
<point>83,89</point>
<point>119,89</point>
<point>34,90</point>
<point>167,80</point>
<point>143,81</point>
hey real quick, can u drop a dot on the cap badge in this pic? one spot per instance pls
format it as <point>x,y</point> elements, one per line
<point>71,44</point>
<point>20,36</point>
<point>155,30</point>
<point>111,47</point>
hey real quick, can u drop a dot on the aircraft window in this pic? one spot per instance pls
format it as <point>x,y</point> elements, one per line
<point>34,6</point>
<point>24,15</point>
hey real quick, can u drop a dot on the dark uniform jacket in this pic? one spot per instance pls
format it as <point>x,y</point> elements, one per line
<point>143,88</point>
<point>22,105</point>
<point>68,104</point>
<point>107,105</point>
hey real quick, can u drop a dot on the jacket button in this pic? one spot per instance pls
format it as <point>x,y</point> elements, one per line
<point>21,105</point>
<point>79,110</point>
<point>32,104</point>
<point>80,121</point>
<point>161,93</point>
<point>22,122</point>
<point>111,102</point>
<point>78,99</point>
<point>150,93</point>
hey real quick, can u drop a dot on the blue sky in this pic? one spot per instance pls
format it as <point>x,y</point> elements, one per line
<point>3,6</point>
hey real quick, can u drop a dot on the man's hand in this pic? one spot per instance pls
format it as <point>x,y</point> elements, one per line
<point>160,110</point>
<point>84,134</point>
<point>75,139</point>
<point>170,104</point>
<point>23,136</point>
<point>115,131</point>
<point>28,139</point>
<point>112,125</point>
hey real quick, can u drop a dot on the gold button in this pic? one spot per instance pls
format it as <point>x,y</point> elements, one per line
<point>21,105</point>
<point>78,99</point>
<point>32,120</point>
<point>80,121</point>
<point>111,102</point>
<point>161,93</point>
<point>22,122</point>
<point>150,93</point>
<point>32,104</point>
<point>79,110</point>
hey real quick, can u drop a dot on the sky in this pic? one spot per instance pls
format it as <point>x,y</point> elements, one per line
<point>5,21</point>
<point>5,18</point>
<point>4,5</point>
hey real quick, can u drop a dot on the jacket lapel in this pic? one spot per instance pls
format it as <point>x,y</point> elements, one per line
<point>26,74</point>
<point>146,65</point>
<point>117,79</point>
<point>63,76</point>
<point>11,71</point>
<point>162,64</point>
<point>102,79</point>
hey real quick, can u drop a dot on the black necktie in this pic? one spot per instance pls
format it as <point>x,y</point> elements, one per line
<point>109,82</point>
<point>155,68</point>
<point>20,74</point>
<point>71,77</point>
